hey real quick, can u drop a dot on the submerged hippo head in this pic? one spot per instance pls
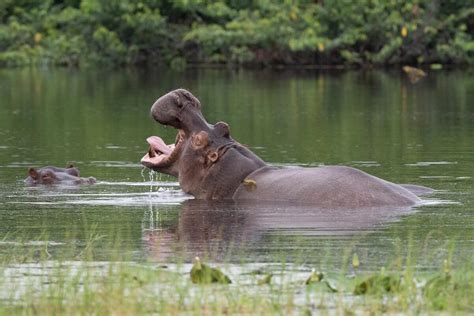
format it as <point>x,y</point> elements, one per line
<point>55,175</point>
<point>204,157</point>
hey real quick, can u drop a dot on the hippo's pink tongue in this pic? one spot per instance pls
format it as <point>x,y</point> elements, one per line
<point>159,145</point>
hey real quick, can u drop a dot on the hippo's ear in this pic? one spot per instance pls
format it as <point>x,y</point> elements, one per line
<point>70,169</point>
<point>33,173</point>
<point>222,129</point>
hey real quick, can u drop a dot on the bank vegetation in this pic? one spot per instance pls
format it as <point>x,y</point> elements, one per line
<point>244,32</point>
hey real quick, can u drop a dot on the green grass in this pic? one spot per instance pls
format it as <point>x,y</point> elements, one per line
<point>34,281</point>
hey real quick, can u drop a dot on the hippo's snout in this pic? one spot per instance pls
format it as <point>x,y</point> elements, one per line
<point>169,109</point>
<point>180,109</point>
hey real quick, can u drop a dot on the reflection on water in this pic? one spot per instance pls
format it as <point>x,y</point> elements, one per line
<point>376,121</point>
<point>216,229</point>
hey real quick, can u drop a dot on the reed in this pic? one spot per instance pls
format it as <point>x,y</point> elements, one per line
<point>36,280</point>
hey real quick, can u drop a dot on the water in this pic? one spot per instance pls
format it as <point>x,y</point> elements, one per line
<point>375,121</point>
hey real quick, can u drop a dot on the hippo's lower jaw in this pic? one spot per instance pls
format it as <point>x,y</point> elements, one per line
<point>160,155</point>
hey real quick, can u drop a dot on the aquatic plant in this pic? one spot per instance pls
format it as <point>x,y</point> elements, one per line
<point>39,282</point>
<point>203,274</point>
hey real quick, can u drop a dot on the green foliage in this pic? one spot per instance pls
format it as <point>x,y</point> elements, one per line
<point>75,32</point>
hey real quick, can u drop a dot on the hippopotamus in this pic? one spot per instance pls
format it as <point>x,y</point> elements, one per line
<point>210,164</point>
<point>55,175</point>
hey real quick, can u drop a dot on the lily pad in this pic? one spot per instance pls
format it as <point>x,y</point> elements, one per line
<point>265,280</point>
<point>379,283</point>
<point>314,277</point>
<point>203,274</point>
<point>317,277</point>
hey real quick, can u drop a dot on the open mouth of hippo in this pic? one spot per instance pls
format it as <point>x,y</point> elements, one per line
<point>161,154</point>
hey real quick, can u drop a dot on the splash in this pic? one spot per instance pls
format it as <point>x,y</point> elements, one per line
<point>152,177</point>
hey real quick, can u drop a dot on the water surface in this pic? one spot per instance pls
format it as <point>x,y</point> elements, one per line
<point>377,121</point>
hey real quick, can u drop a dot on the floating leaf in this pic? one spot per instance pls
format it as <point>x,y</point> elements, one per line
<point>436,66</point>
<point>203,274</point>
<point>378,283</point>
<point>414,74</point>
<point>265,280</point>
<point>315,277</point>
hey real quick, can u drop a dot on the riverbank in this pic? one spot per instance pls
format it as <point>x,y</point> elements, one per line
<point>35,280</point>
<point>321,34</point>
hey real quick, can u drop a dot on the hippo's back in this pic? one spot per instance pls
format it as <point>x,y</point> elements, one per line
<point>329,186</point>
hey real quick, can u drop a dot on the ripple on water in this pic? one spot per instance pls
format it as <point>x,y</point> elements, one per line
<point>21,164</point>
<point>112,146</point>
<point>430,163</point>
<point>141,184</point>
<point>115,164</point>
<point>363,163</point>
<point>104,193</point>
<point>162,195</point>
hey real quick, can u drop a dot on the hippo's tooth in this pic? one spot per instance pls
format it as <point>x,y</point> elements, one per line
<point>158,145</point>
<point>153,161</point>
<point>151,152</point>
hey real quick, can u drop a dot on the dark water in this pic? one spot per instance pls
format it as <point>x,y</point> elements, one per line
<point>376,121</point>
